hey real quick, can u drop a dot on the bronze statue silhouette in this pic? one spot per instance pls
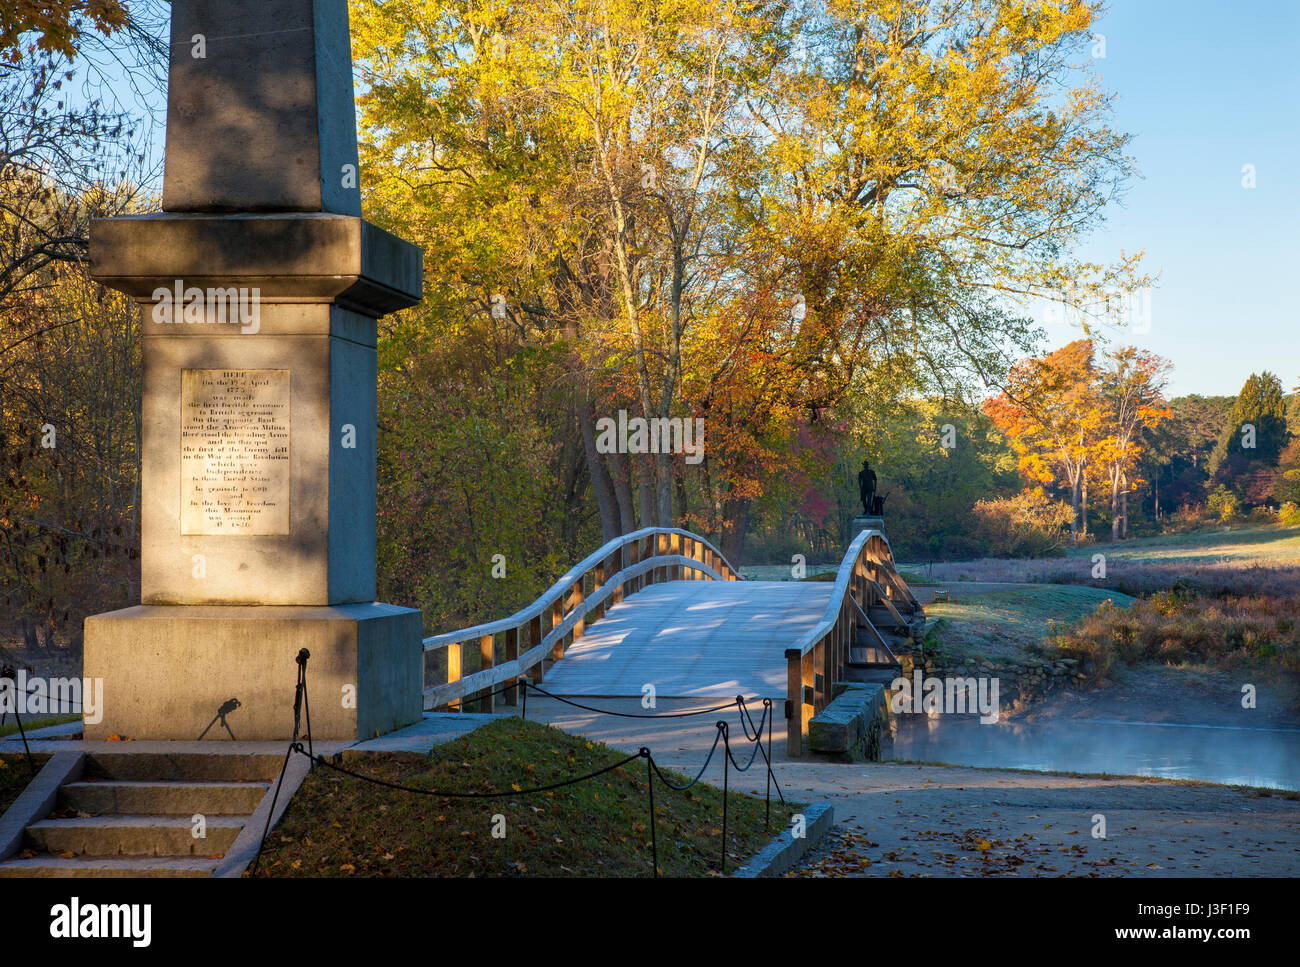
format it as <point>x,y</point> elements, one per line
<point>867,490</point>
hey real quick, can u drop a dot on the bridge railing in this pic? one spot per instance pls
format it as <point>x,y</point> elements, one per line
<point>545,628</point>
<point>867,578</point>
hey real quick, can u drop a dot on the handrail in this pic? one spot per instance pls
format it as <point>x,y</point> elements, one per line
<point>564,583</point>
<point>846,572</point>
<point>622,566</point>
<point>816,660</point>
<point>880,639</point>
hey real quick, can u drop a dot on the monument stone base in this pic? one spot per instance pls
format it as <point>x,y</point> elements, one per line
<point>863,523</point>
<point>168,669</point>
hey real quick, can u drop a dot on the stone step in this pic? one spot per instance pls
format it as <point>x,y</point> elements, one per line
<point>882,617</point>
<point>133,836</point>
<point>99,867</point>
<point>872,674</point>
<point>872,655</point>
<point>133,797</point>
<point>184,766</point>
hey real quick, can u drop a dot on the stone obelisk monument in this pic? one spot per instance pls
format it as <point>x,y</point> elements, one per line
<point>260,285</point>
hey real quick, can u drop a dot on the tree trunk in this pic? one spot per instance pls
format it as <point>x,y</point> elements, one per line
<point>621,471</point>
<point>664,491</point>
<point>1123,506</point>
<point>601,484</point>
<point>1114,507</point>
<point>1074,508</point>
<point>735,520</point>
<point>646,490</point>
<point>1083,506</point>
<point>679,484</point>
<point>572,465</point>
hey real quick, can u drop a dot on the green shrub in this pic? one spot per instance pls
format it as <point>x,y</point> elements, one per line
<point>1224,504</point>
<point>1029,524</point>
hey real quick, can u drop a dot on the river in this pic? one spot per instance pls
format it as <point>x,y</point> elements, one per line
<point>1231,755</point>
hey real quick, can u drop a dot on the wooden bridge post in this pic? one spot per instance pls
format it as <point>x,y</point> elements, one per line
<point>794,702</point>
<point>453,672</point>
<point>511,694</point>
<point>575,601</point>
<point>598,582</point>
<point>616,596</point>
<point>487,657</point>
<point>833,655</point>
<point>535,639</point>
<point>850,633</point>
<point>633,551</point>
<point>821,670</point>
<point>807,707</point>
<point>557,619</point>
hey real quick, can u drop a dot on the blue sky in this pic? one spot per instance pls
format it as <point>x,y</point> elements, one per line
<point>1207,88</point>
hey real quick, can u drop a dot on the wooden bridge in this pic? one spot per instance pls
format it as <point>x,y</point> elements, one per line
<point>662,607</point>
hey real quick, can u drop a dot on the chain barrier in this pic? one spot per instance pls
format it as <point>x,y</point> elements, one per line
<point>8,673</point>
<point>633,715</point>
<point>301,709</point>
<point>299,700</point>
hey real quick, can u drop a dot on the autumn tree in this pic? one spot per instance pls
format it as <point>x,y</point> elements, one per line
<point>77,81</point>
<point>1131,393</point>
<point>72,146</point>
<point>1054,417</point>
<point>1247,450</point>
<point>922,166</point>
<point>69,470</point>
<point>54,27</point>
<point>738,211</point>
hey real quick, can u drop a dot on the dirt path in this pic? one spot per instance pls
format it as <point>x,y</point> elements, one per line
<point>932,821</point>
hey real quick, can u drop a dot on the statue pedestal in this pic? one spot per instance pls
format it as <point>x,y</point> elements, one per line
<point>863,523</point>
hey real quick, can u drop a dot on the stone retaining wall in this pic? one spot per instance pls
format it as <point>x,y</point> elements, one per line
<point>1021,681</point>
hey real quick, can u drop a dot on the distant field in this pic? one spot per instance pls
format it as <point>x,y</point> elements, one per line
<point>1244,544</point>
<point>1004,623</point>
<point>1237,561</point>
<point>781,572</point>
<point>1263,546</point>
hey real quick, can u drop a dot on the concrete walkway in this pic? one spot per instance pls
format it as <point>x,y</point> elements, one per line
<point>434,729</point>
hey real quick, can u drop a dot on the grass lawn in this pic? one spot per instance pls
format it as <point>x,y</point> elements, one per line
<point>30,725</point>
<point>1213,544</point>
<point>1241,561</point>
<point>340,826</point>
<point>14,776</point>
<point>1005,623</point>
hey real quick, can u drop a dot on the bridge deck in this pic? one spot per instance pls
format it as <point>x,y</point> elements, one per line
<point>693,638</point>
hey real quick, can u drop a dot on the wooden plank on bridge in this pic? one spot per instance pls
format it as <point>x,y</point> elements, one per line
<point>693,638</point>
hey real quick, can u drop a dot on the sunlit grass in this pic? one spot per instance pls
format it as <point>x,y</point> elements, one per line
<point>339,826</point>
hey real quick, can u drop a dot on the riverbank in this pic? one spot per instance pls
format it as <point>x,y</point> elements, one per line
<point>906,819</point>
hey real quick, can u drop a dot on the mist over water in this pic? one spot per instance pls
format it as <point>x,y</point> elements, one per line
<point>1223,754</point>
